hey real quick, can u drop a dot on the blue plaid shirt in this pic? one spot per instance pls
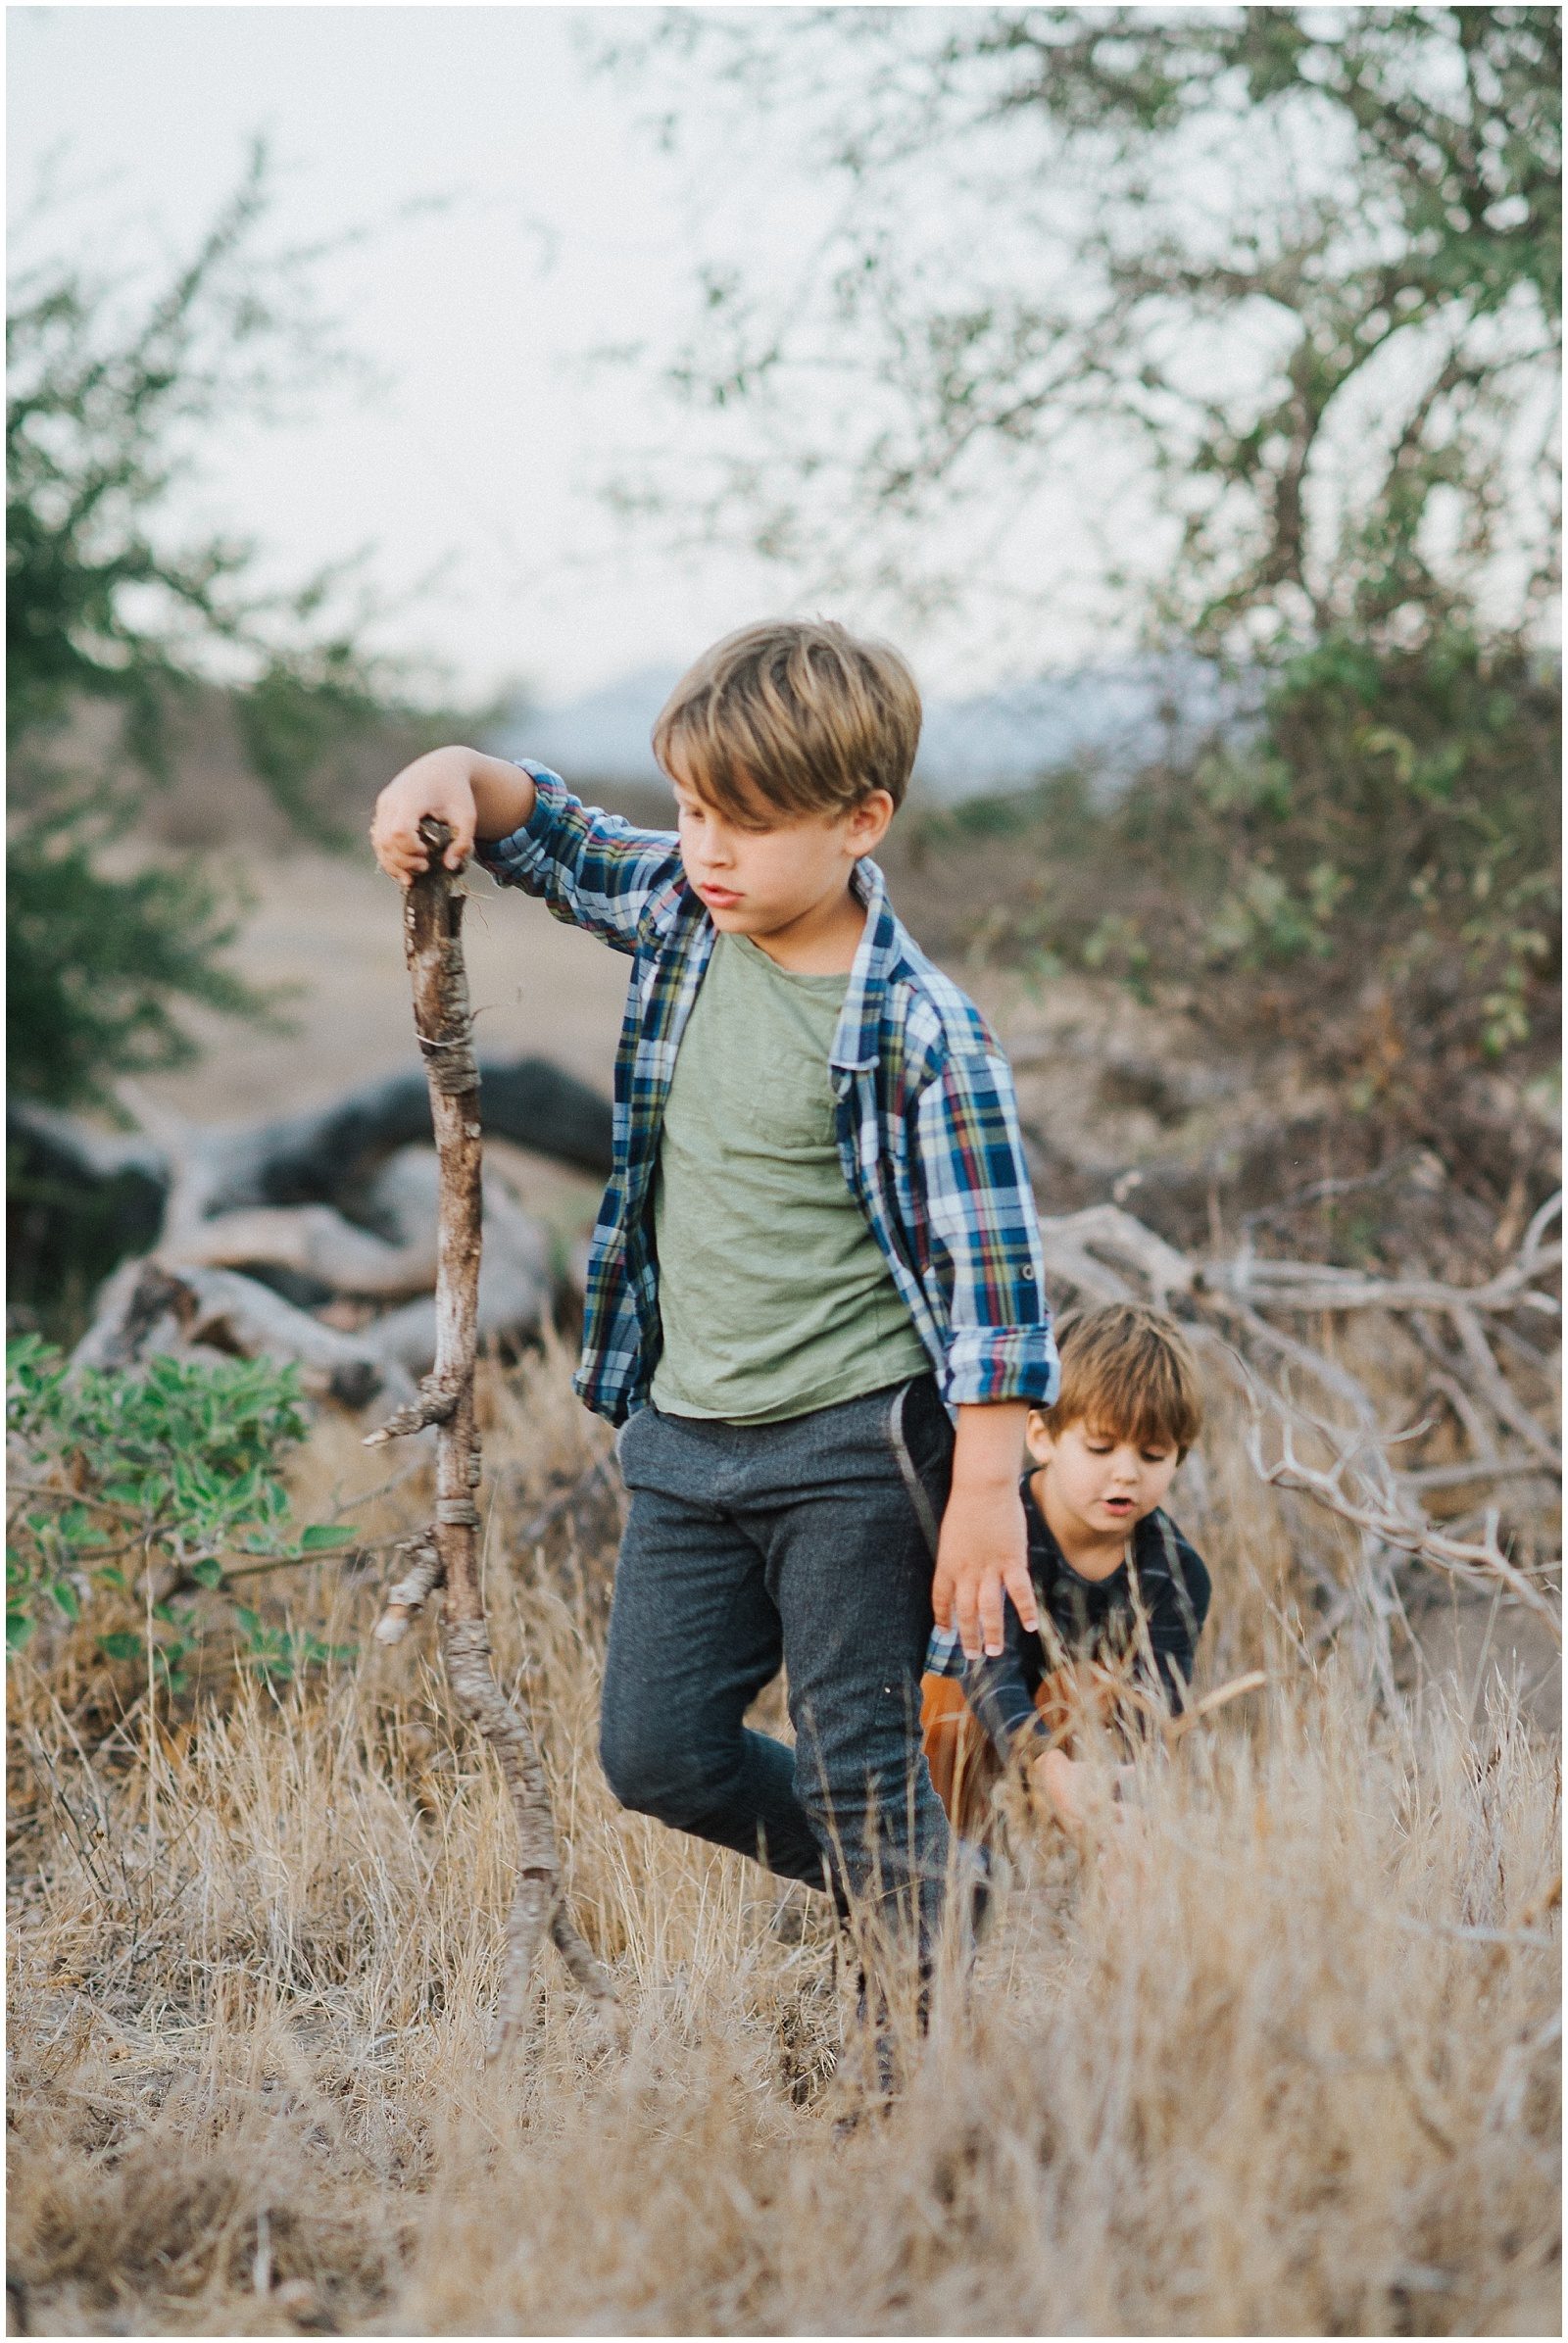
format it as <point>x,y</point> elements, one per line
<point>926,1122</point>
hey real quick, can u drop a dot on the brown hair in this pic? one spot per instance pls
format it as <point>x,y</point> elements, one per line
<point>1129,1371</point>
<point>795,715</point>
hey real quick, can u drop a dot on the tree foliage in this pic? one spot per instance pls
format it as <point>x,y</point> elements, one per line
<point>98,961</point>
<point>114,394</point>
<point>1288,276</point>
<point>1370,874</point>
<point>1270,297</point>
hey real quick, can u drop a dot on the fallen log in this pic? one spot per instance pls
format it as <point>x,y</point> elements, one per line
<point>313,1206</point>
<point>148,1307</point>
<point>448,1557</point>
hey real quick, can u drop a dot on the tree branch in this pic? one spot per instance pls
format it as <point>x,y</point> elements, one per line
<point>432,938</point>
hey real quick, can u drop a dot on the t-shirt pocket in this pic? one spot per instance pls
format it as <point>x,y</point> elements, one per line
<point>788,1102</point>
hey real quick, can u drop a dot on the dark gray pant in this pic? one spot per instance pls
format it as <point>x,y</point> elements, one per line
<point>807,1543</point>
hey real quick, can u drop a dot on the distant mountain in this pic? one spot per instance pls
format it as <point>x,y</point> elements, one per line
<point>600,737</point>
<point>1110,720</point>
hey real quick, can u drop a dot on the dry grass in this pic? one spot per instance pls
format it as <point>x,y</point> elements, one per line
<point>1293,2072</point>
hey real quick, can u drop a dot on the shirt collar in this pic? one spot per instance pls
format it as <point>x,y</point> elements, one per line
<point>857,1041</point>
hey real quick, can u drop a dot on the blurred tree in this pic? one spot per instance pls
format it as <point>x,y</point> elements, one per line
<point>1291,274</point>
<point>1270,298</point>
<point>105,409</point>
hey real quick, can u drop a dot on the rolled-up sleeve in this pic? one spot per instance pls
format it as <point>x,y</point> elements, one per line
<point>590,869</point>
<point>981,1235</point>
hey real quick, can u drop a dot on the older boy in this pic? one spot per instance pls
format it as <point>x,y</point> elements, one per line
<point>1121,1596</point>
<point>814,1298</point>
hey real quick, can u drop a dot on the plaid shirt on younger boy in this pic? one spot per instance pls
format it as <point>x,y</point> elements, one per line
<point>926,1123</point>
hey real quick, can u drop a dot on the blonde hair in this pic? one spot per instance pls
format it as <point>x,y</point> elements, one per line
<point>1128,1370</point>
<point>794,715</point>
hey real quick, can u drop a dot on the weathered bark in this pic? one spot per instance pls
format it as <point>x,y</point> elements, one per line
<point>433,943</point>
<point>148,1306</point>
<point>312,1208</point>
<point>411,1593</point>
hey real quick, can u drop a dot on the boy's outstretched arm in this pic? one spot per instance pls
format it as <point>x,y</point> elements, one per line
<point>983,1551</point>
<point>474,794</point>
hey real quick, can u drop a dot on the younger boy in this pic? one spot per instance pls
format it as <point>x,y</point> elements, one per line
<point>814,1300</point>
<point>1121,1596</point>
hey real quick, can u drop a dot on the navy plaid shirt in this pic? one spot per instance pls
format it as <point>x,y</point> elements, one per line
<point>926,1122</point>
<point>1156,1606</point>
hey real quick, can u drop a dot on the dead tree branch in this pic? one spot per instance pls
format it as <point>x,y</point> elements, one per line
<point>433,944</point>
<point>1404,1529</point>
<point>337,1207</point>
<point>1105,1255</point>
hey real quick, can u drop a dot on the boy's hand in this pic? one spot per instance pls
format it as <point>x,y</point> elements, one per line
<point>473,794</point>
<point>1091,1803</point>
<point>983,1550</point>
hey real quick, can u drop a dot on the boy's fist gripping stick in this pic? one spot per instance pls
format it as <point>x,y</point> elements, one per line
<point>432,921</point>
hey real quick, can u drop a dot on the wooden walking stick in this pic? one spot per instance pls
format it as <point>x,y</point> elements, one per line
<point>448,1557</point>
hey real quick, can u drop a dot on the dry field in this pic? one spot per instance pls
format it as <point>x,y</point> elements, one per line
<point>1292,2069</point>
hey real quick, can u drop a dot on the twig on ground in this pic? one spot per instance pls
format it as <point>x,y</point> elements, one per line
<point>1405,1532</point>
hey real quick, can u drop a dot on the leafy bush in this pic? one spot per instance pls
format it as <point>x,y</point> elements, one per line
<point>1373,869</point>
<point>99,964</point>
<point>153,1487</point>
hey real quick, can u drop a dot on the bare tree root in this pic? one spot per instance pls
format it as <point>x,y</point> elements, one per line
<point>432,936</point>
<point>146,1306</point>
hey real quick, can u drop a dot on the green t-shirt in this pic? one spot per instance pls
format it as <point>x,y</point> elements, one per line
<point>774,1294</point>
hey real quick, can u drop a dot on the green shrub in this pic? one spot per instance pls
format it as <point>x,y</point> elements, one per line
<point>1388,834</point>
<point>151,1488</point>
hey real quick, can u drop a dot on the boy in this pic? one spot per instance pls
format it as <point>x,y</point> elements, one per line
<point>1121,1594</point>
<point>814,1300</point>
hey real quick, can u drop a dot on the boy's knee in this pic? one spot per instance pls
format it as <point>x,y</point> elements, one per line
<point>649,1772</point>
<point>859,1763</point>
<point>627,1760</point>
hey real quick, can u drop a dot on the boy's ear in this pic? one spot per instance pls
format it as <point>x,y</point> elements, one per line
<point>1037,1438</point>
<point>869,823</point>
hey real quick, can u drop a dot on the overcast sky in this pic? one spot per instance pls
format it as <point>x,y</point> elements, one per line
<point>567,230</point>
